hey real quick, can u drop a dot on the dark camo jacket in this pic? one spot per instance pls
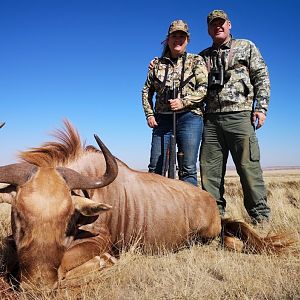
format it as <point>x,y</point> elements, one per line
<point>248,86</point>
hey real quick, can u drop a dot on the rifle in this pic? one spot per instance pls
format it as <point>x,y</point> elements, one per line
<point>172,147</point>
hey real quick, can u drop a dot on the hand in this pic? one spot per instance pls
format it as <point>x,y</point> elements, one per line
<point>258,118</point>
<point>151,122</point>
<point>175,104</point>
<point>151,64</point>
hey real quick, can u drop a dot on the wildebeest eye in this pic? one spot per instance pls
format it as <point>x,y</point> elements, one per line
<point>31,173</point>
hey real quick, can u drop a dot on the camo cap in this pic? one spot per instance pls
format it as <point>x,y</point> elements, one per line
<point>215,14</point>
<point>178,25</point>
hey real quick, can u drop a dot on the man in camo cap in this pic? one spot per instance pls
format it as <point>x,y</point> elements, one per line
<point>215,14</point>
<point>236,105</point>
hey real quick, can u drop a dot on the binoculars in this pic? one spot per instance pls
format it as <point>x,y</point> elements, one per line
<point>170,93</point>
<point>217,76</point>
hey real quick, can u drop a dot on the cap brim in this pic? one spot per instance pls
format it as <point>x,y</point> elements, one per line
<point>217,18</point>
<point>179,30</point>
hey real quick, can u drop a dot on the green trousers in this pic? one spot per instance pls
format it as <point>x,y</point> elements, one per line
<point>234,133</point>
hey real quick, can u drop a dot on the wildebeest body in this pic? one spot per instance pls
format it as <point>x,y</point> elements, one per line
<point>146,210</point>
<point>151,210</point>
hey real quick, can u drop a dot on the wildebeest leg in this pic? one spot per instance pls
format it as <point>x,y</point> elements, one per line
<point>81,252</point>
<point>95,264</point>
<point>210,226</point>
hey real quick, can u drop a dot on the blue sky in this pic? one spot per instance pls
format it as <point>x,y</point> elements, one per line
<point>87,61</point>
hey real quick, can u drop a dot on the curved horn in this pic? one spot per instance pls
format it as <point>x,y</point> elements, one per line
<point>79,181</point>
<point>16,174</point>
<point>111,171</point>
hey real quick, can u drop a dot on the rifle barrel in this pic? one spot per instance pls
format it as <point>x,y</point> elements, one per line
<point>172,151</point>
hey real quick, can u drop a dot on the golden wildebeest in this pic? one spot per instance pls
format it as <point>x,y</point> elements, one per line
<point>57,229</point>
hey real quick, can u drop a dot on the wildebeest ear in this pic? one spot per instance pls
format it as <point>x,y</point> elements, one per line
<point>89,207</point>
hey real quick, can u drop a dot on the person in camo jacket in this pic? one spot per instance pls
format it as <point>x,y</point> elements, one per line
<point>236,105</point>
<point>179,80</point>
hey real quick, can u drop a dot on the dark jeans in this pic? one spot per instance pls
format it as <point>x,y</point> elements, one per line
<point>189,128</point>
<point>234,133</point>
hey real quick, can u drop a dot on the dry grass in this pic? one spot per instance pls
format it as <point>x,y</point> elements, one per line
<point>202,272</point>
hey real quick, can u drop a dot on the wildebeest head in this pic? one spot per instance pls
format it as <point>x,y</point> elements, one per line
<point>42,210</point>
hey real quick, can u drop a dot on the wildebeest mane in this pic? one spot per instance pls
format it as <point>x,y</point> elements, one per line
<point>66,149</point>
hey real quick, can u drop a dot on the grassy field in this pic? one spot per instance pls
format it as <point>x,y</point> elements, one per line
<point>202,271</point>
